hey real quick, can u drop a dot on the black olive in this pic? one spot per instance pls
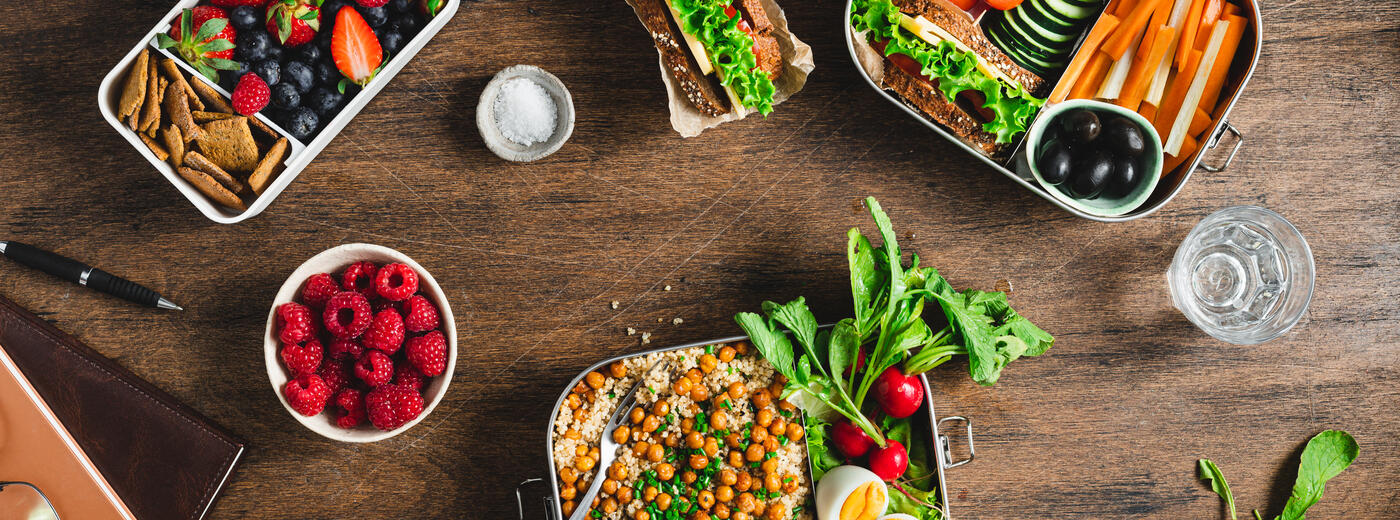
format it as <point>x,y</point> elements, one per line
<point>1079,126</point>
<point>1123,137</point>
<point>1054,163</point>
<point>1092,168</point>
<point>1126,174</point>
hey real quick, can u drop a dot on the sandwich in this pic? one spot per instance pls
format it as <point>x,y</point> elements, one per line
<point>723,55</point>
<point>938,61</point>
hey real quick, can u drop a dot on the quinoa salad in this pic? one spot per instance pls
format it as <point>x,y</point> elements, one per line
<point>708,438</point>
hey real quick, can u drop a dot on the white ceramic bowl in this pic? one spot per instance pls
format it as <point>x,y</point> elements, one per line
<point>333,261</point>
<point>1103,206</point>
<point>510,150</point>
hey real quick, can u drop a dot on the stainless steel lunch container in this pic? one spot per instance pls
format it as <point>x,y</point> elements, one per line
<point>1016,169</point>
<point>554,509</point>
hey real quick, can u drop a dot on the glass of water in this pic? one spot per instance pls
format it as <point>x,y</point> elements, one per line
<point>1243,275</point>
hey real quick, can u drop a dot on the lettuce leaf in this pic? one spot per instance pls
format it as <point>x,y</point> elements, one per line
<point>823,457</point>
<point>956,71</point>
<point>730,50</point>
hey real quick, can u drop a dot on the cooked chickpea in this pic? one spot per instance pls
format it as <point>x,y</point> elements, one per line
<point>581,485</point>
<point>639,449</point>
<point>742,348</point>
<point>637,415</point>
<point>590,397</point>
<point>719,420</point>
<point>651,423</point>
<point>568,475</point>
<point>617,369</point>
<point>779,427</point>
<point>672,440</point>
<point>769,467</point>
<point>787,406</point>
<point>573,401</point>
<point>617,471</point>
<point>609,487</point>
<point>641,514</point>
<point>621,433</point>
<point>745,503</point>
<point>733,440</point>
<point>581,387</point>
<point>758,434</point>
<point>694,440</point>
<point>795,432</point>
<point>694,375</point>
<point>721,401</point>
<point>770,444</point>
<point>743,482</point>
<point>688,476</point>
<point>706,499</point>
<point>762,398</point>
<point>711,446</point>
<point>754,453</point>
<point>737,390</point>
<point>581,450</point>
<point>596,501</point>
<point>609,506</point>
<point>661,408</point>
<point>721,511</point>
<point>775,389</point>
<point>772,482</point>
<point>568,493</point>
<point>727,477</point>
<point>724,493</point>
<point>699,514</point>
<point>736,458</point>
<point>726,353</point>
<point>568,507</point>
<point>708,362</point>
<point>790,483</point>
<point>580,415</point>
<point>764,417</point>
<point>593,452</point>
<point>682,386</point>
<point>663,501</point>
<point>687,425</point>
<point>759,509</point>
<point>649,494</point>
<point>665,471</point>
<point>595,380</point>
<point>655,452</point>
<point>699,393</point>
<point>699,461</point>
<point>572,434</point>
<point>584,463</point>
<point>624,495</point>
<point>777,511</point>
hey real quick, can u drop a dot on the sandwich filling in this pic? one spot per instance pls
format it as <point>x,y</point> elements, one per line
<point>721,40</point>
<point>1005,106</point>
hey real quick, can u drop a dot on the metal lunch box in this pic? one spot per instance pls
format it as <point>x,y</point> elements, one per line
<point>1016,169</point>
<point>553,507</point>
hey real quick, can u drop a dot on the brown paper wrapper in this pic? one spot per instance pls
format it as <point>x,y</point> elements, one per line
<point>797,64</point>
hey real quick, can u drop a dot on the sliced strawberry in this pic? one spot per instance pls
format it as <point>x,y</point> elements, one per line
<point>293,22</point>
<point>203,38</point>
<point>354,47</point>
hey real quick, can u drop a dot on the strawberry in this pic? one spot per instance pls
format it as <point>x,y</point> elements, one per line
<point>230,4</point>
<point>251,94</point>
<point>354,48</point>
<point>204,38</point>
<point>293,22</point>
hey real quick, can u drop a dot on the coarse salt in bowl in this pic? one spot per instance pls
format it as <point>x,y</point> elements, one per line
<point>525,114</point>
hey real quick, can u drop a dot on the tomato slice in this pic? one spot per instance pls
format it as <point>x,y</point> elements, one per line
<point>1003,4</point>
<point>730,11</point>
<point>965,5</point>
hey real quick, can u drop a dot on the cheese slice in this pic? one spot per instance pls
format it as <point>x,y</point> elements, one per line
<point>696,49</point>
<point>930,32</point>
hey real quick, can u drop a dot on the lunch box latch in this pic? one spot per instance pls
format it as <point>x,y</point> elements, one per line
<point>1215,141</point>
<point>545,500</point>
<point>946,455</point>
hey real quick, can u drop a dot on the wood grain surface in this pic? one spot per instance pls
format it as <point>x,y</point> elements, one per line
<point>1108,424</point>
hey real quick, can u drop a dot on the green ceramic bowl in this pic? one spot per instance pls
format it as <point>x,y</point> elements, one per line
<point>1103,206</point>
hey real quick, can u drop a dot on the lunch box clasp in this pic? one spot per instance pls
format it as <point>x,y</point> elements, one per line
<point>1215,141</point>
<point>544,499</point>
<point>947,453</point>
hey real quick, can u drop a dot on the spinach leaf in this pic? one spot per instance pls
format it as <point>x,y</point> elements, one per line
<point>868,288</point>
<point>1325,456</point>
<point>975,327</point>
<point>1209,471</point>
<point>772,343</point>
<point>843,350</point>
<point>799,320</point>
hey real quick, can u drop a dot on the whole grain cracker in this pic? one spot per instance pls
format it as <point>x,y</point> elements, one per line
<point>175,143</point>
<point>178,108</point>
<point>155,147</point>
<point>135,90</point>
<point>200,162</point>
<point>201,116</point>
<point>153,130</point>
<point>214,102</point>
<point>211,188</point>
<point>172,71</point>
<point>150,110</point>
<point>262,128</point>
<point>229,144</point>
<point>262,175</point>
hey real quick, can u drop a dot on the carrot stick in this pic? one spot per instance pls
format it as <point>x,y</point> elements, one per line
<point>1123,7</point>
<point>1101,30</point>
<point>1188,148</point>
<point>1160,17</point>
<point>1199,122</point>
<point>1148,111</point>
<point>1216,81</point>
<point>1230,8</point>
<point>1209,14</point>
<point>1178,85</point>
<point>1143,66</point>
<point>1188,34</point>
<point>1092,77</point>
<point>1132,25</point>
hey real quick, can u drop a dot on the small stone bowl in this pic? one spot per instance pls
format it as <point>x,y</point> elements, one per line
<point>510,150</point>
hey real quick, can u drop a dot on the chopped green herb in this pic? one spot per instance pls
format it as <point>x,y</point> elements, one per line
<point>612,395</point>
<point>709,349</point>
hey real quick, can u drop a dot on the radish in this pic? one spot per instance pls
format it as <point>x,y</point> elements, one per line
<point>890,461</point>
<point>850,439</point>
<point>899,395</point>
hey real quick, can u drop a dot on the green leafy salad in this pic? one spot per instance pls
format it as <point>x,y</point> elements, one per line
<point>730,50</point>
<point>879,352</point>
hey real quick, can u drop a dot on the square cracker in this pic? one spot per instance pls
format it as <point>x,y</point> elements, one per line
<point>229,143</point>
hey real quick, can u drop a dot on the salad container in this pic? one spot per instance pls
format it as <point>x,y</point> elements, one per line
<point>299,154</point>
<point>1017,169</point>
<point>552,505</point>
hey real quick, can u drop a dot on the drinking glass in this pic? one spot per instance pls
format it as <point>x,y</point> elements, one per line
<point>1243,275</point>
<point>23,501</point>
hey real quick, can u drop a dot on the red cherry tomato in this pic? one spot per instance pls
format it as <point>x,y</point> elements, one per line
<point>966,5</point>
<point>1003,4</point>
<point>850,439</point>
<point>889,462</point>
<point>899,395</point>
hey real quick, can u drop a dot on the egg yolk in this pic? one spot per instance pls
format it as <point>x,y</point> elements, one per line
<point>865,503</point>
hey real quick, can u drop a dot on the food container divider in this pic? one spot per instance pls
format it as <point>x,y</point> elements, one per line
<point>554,508</point>
<point>1016,169</point>
<point>300,154</point>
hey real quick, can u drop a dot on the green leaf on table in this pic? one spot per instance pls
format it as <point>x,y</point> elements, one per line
<point>1325,456</point>
<point>771,342</point>
<point>1208,471</point>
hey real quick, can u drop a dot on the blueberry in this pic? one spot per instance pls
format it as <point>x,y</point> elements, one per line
<point>374,16</point>
<point>400,6</point>
<point>308,53</point>
<point>409,23</point>
<point>269,70</point>
<point>324,101</point>
<point>244,17</point>
<point>329,8</point>
<point>326,74</point>
<point>285,96</point>
<point>298,74</point>
<point>275,52</point>
<point>301,123</point>
<point>391,42</point>
<point>237,74</point>
<point>252,46</point>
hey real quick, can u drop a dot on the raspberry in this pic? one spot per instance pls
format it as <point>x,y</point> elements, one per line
<point>420,314</point>
<point>359,277</point>
<point>318,290</point>
<point>351,408</point>
<point>338,375</point>
<point>386,305</point>
<point>385,333</point>
<point>344,349</point>
<point>371,3</point>
<point>392,406</point>
<point>302,359</point>
<point>374,368</point>
<point>347,315</point>
<point>307,394</point>
<point>295,322</point>
<point>396,282</point>
<point>428,353</point>
<point>405,374</point>
<point>251,94</point>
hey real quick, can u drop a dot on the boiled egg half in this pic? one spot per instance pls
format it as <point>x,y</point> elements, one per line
<point>851,493</point>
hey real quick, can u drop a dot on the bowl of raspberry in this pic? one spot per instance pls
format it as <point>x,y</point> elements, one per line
<point>360,343</point>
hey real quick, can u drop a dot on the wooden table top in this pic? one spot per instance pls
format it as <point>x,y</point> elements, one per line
<point>1108,424</point>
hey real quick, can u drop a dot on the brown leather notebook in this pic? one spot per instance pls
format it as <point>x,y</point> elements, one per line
<point>163,459</point>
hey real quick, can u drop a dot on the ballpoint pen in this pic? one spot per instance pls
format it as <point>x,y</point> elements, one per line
<point>83,274</point>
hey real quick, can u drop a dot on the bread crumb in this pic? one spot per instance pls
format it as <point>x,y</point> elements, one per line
<point>667,288</point>
<point>615,304</point>
<point>661,320</point>
<point>646,338</point>
<point>631,331</point>
<point>677,321</point>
